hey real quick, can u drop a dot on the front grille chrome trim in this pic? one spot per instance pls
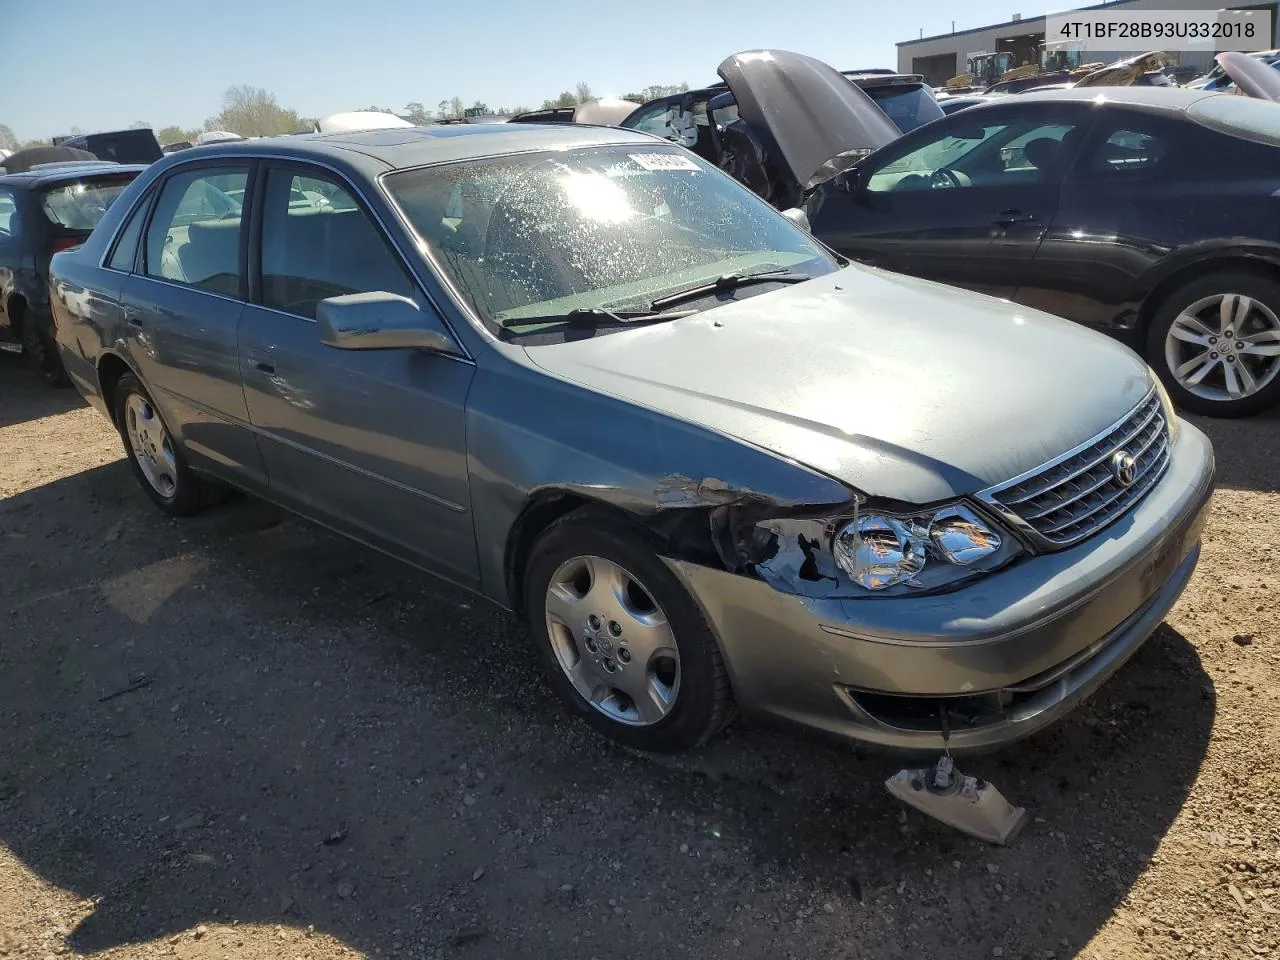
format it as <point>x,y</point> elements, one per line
<point>1073,496</point>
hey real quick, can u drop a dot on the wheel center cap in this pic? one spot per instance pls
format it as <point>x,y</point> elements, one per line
<point>605,644</point>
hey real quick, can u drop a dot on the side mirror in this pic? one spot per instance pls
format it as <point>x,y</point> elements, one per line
<point>381,321</point>
<point>798,217</point>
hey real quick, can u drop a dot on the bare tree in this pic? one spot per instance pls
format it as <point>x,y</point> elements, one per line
<point>253,112</point>
<point>442,109</point>
<point>583,91</point>
<point>416,113</point>
<point>139,125</point>
<point>7,140</point>
<point>455,107</point>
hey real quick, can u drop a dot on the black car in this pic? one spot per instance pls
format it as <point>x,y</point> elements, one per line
<point>1147,212</point>
<point>48,208</point>
<point>137,145</point>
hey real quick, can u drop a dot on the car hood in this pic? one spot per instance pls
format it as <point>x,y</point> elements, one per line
<point>809,109</point>
<point>1255,77</point>
<point>901,388</point>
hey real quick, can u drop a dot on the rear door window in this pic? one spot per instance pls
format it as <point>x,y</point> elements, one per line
<point>79,205</point>
<point>126,251</point>
<point>195,233</point>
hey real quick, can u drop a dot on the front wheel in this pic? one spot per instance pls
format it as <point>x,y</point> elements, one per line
<point>622,642</point>
<point>1216,344</point>
<point>153,456</point>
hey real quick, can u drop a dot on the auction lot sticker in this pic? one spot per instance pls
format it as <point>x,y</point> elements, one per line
<point>1134,31</point>
<point>663,161</point>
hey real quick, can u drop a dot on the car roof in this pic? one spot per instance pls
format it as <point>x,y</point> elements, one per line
<point>1171,99</point>
<point>52,174</point>
<point>401,147</point>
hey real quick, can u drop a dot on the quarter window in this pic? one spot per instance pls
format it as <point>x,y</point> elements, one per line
<point>194,237</point>
<point>8,216</point>
<point>126,251</point>
<point>317,243</point>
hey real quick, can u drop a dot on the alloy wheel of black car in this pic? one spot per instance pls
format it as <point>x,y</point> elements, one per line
<point>1216,344</point>
<point>42,353</point>
<point>621,640</point>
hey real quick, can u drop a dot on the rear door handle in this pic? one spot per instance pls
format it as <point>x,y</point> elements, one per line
<point>133,318</point>
<point>1007,218</point>
<point>263,363</point>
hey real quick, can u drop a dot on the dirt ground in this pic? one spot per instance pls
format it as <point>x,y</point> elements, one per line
<point>237,736</point>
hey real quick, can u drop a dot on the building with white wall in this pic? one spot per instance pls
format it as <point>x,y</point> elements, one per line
<point>944,56</point>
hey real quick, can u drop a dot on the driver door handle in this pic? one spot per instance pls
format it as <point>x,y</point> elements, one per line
<point>263,363</point>
<point>1007,218</point>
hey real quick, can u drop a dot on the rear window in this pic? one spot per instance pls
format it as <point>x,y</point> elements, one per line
<point>80,204</point>
<point>907,106</point>
<point>1240,116</point>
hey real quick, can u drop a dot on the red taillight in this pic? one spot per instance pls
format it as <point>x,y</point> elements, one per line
<point>65,243</point>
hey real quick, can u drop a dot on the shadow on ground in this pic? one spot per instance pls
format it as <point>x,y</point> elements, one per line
<point>23,397</point>
<point>239,717</point>
<point>1248,450</point>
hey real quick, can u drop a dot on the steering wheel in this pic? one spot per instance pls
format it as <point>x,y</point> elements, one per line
<point>944,178</point>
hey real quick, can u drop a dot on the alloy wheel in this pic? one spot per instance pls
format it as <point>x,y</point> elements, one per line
<point>151,446</point>
<point>613,641</point>
<point>1224,347</point>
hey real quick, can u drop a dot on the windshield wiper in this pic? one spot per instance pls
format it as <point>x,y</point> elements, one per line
<point>726,282</point>
<point>591,317</point>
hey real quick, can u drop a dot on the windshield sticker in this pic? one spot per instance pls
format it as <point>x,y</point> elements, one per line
<point>663,161</point>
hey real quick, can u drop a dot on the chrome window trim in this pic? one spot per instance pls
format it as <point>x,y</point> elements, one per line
<point>387,233</point>
<point>185,286</point>
<point>989,497</point>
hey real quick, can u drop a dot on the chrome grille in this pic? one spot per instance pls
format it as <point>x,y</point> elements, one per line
<point>1078,494</point>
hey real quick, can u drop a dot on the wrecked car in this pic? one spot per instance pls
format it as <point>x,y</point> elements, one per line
<point>704,120</point>
<point>711,466</point>
<point>1111,207</point>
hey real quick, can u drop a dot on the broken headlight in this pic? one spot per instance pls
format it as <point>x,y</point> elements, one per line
<point>880,553</point>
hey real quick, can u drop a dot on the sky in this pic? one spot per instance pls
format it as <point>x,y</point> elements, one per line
<point>102,66</point>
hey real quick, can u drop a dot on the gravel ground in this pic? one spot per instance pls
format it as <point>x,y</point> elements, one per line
<point>236,736</point>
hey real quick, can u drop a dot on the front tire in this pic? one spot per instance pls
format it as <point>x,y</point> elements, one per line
<point>1215,343</point>
<point>621,640</point>
<point>154,457</point>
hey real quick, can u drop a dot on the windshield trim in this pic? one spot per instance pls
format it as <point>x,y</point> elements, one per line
<point>492,331</point>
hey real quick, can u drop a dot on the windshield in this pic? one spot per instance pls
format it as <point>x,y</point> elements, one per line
<point>907,106</point>
<point>80,205</point>
<point>543,234</point>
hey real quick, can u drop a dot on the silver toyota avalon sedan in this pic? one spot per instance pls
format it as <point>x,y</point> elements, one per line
<point>712,466</point>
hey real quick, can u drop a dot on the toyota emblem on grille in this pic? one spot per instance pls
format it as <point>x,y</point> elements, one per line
<point>1124,467</point>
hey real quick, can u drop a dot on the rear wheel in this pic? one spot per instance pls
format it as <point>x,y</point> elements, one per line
<point>621,640</point>
<point>42,352</point>
<point>154,457</point>
<point>1216,344</point>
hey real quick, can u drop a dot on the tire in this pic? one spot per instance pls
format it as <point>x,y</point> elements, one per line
<point>1192,325</point>
<point>656,617</point>
<point>42,353</point>
<point>182,493</point>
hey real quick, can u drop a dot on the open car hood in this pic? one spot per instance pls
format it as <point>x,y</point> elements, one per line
<point>821,122</point>
<point>1252,76</point>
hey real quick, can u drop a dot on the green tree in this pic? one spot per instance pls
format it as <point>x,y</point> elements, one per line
<point>139,125</point>
<point>253,112</point>
<point>7,140</point>
<point>28,144</point>
<point>416,114</point>
<point>172,134</point>
<point>442,110</point>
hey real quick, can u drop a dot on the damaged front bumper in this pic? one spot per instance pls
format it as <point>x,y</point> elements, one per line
<point>1005,656</point>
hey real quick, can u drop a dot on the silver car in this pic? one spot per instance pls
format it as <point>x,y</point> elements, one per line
<point>712,466</point>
